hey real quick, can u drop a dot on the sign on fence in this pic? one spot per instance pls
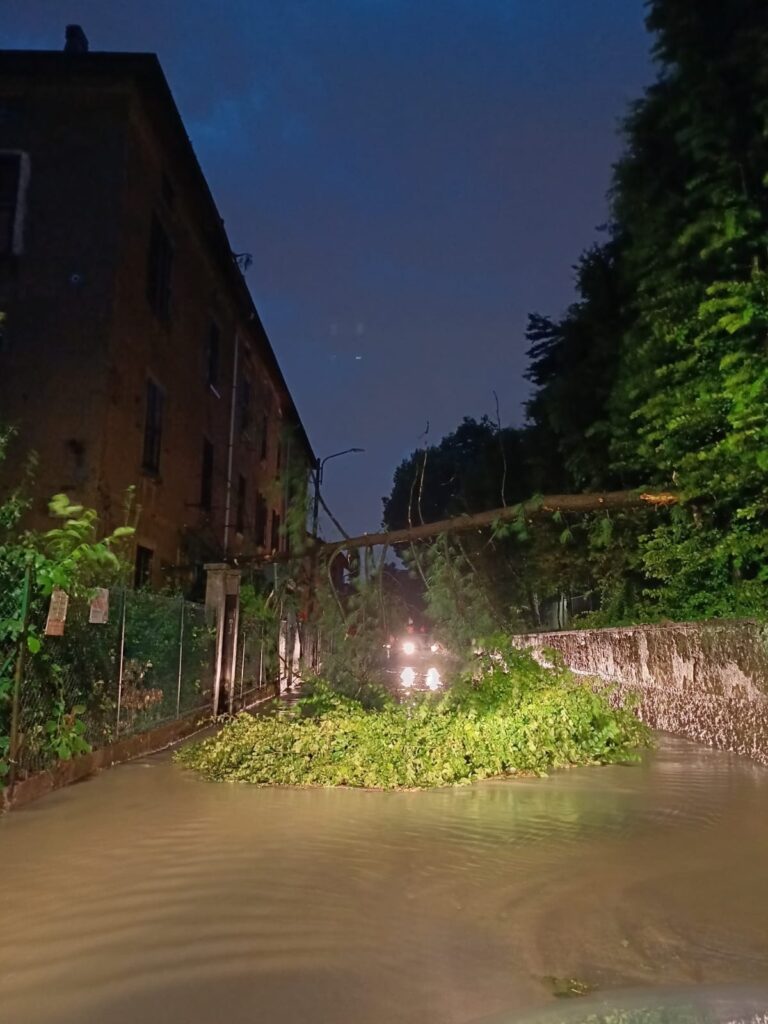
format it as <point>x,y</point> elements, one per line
<point>57,613</point>
<point>100,607</point>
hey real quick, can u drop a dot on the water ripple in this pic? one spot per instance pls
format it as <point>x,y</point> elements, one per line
<point>149,895</point>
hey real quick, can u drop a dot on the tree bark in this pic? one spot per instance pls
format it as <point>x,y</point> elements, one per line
<point>578,503</point>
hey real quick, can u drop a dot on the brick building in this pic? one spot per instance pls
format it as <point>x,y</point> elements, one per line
<point>131,353</point>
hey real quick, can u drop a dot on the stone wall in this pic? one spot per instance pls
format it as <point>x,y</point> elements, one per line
<point>704,681</point>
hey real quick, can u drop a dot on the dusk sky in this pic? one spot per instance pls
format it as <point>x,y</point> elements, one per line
<point>412,178</point>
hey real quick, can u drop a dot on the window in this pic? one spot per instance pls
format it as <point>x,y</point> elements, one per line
<point>153,427</point>
<point>260,524</point>
<point>159,266</point>
<point>241,492</point>
<point>11,111</point>
<point>10,179</point>
<point>244,404</point>
<point>142,575</point>
<point>275,531</point>
<point>264,437</point>
<point>75,448</point>
<point>212,350</point>
<point>206,478</point>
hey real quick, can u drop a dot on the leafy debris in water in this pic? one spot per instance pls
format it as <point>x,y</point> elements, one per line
<point>567,988</point>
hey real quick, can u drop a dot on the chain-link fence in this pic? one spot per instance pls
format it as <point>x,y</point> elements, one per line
<point>14,610</point>
<point>144,660</point>
<point>276,653</point>
<point>149,663</point>
<point>256,663</point>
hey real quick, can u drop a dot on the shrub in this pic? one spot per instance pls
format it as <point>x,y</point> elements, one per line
<point>510,715</point>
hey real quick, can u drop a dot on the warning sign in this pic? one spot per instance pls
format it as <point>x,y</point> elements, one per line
<point>57,613</point>
<point>100,607</point>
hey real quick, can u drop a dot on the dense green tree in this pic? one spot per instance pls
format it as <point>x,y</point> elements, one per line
<point>574,363</point>
<point>476,467</point>
<point>492,579</point>
<point>691,203</point>
<point>676,349</point>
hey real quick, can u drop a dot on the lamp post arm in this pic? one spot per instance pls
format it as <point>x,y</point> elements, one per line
<point>319,464</point>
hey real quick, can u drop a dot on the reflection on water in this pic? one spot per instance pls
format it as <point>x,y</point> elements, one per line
<point>146,895</point>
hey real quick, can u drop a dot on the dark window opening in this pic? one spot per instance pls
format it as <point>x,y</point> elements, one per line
<point>212,350</point>
<point>10,171</point>
<point>241,492</point>
<point>244,404</point>
<point>264,437</point>
<point>142,575</point>
<point>275,531</point>
<point>76,449</point>
<point>260,522</point>
<point>206,480</point>
<point>11,111</point>
<point>159,267</point>
<point>153,427</point>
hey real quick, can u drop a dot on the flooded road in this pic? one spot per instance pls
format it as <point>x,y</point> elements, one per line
<point>146,895</point>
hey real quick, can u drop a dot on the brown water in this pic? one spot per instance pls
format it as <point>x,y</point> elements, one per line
<point>147,896</point>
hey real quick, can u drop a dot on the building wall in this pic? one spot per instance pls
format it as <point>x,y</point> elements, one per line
<point>84,338</point>
<point>173,352</point>
<point>56,292</point>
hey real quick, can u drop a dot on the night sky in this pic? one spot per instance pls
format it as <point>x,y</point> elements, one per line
<point>412,177</point>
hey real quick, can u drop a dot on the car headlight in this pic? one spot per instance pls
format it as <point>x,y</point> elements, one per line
<point>407,677</point>
<point>409,647</point>
<point>433,679</point>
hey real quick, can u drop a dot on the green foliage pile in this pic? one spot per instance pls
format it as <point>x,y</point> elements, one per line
<point>508,716</point>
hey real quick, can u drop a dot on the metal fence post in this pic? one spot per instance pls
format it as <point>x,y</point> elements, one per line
<point>243,640</point>
<point>120,662</point>
<point>18,675</point>
<point>181,655</point>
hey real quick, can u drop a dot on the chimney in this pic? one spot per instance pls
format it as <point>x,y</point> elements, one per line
<point>77,41</point>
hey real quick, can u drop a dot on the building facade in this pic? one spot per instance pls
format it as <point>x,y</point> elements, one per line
<point>132,358</point>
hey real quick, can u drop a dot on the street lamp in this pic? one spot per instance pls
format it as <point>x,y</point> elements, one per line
<point>319,479</point>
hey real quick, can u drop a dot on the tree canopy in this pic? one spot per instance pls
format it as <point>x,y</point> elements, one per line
<point>657,375</point>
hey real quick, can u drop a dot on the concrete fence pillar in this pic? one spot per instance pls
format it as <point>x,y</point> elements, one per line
<point>222,607</point>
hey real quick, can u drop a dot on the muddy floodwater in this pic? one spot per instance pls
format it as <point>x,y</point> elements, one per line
<point>146,895</point>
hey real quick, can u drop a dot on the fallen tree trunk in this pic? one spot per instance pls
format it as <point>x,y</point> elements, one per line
<point>580,503</point>
<point>577,503</point>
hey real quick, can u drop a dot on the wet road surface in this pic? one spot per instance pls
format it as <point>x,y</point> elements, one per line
<point>147,895</point>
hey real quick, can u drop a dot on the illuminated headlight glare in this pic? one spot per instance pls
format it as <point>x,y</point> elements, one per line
<point>435,648</point>
<point>409,647</point>
<point>433,679</point>
<point>407,677</point>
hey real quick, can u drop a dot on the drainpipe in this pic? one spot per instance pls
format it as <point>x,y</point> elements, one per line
<point>231,448</point>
